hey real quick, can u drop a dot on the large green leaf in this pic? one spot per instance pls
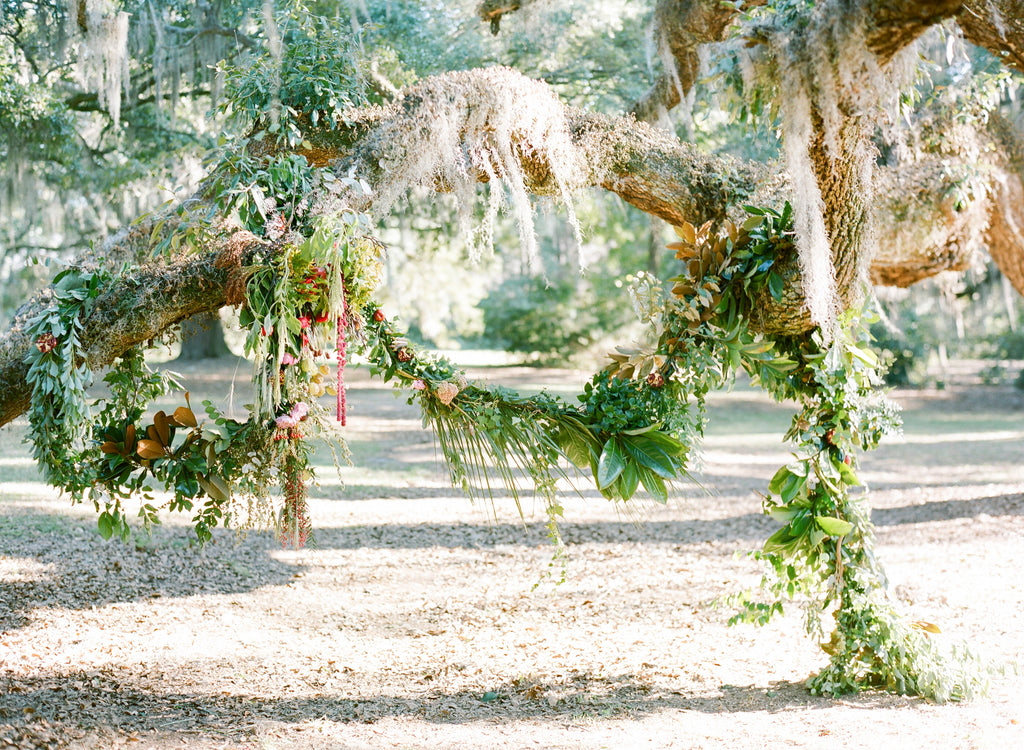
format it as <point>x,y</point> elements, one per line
<point>629,480</point>
<point>611,463</point>
<point>654,484</point>
<point>833,526</point>
<point>649,454</point>
<point>106,525</point>
<point>576,442</point>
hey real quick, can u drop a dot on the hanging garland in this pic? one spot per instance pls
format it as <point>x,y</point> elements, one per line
<point>633,428</point>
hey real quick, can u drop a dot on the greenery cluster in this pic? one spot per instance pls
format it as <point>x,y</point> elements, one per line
<point>314,71</point>
<point>822,555</point>
<point>295,309</point>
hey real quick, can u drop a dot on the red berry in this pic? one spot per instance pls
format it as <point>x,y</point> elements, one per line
<point>378,316</point>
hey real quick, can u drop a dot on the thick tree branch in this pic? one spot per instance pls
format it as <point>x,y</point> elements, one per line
<point>135,308</point>
<point>649,169</point>
<point>646,167</point>
<point>997,26</point>
<point>680,28</point>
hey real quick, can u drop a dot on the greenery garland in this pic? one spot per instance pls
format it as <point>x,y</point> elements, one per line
<point>58,374</point>
<point>633,428</point>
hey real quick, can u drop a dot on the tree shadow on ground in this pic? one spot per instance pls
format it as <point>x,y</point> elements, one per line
<point>77,569</point>
<point>736,529</point>
<point>947,510</point>
<point>112,703</point>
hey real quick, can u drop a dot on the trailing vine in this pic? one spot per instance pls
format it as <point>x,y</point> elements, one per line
<point>58,419</point>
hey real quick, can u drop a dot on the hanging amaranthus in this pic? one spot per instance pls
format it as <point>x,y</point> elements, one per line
<point>340,385</point>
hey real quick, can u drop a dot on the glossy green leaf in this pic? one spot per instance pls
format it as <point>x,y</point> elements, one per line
<point>106,525</point>
<point>611,463</point>
<point>833,526</point>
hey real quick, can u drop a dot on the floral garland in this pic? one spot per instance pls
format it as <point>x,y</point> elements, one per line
<point>635,425</point>
<point>823,553</point>
<point>295,307</point>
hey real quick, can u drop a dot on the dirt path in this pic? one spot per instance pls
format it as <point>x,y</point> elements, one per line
<point>416,624</point>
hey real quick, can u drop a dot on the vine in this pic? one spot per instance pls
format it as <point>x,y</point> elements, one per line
<point>58,419</point>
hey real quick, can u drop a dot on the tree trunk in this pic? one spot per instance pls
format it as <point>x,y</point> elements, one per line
<point>202,337</point>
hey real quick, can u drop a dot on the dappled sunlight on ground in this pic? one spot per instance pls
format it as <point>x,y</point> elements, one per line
<point>422,620</point>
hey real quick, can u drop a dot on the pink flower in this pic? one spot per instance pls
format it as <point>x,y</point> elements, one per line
<point>419,385</point>
<point>446,392</point>
<point>299,411</point>
<point>288,359</point>
<point>285,421</point>
<point>303,321</point>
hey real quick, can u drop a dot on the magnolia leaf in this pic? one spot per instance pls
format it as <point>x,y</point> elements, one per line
<point>649,455</point>
<point>183,417</point>
<point>682,289</point>
<point>110,447</point>
<point>151,449</point>
<point>653,484</point>
<point>163,428</point>
<point>629,481</point>
<point>686,232</point>
<point>215,487</point>
<point>611,463</point>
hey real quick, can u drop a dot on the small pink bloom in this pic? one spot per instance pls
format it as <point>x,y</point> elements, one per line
<point>299,411</point>
<point>285,421</point>
<point>288,359</point>
<point>303,321</point>
<point>446,392</point>
<point>419,385</point>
